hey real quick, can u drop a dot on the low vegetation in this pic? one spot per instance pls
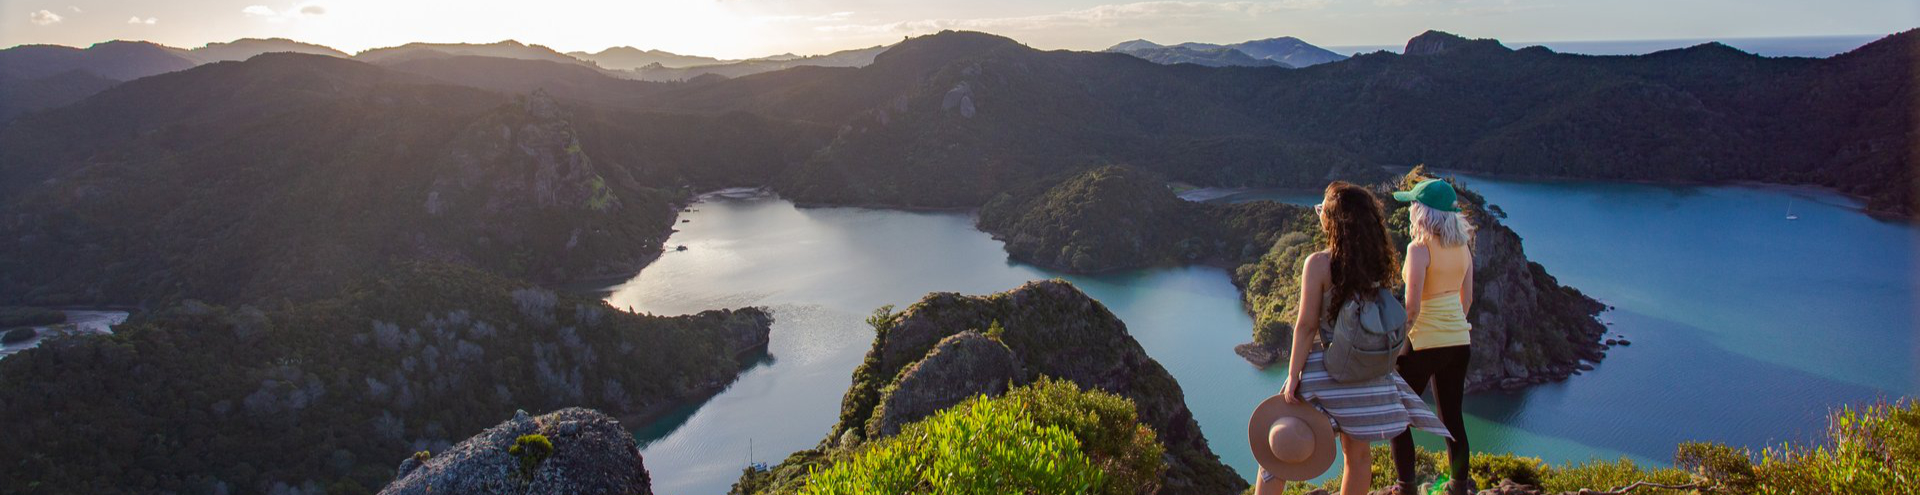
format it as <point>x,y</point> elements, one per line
<point>1050,437</point>
<point>1866,449</point>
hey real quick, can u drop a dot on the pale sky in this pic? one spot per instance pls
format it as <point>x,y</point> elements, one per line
<point>750,28</point>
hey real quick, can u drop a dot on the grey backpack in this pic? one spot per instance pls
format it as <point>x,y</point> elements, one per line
<point>1367,335</point>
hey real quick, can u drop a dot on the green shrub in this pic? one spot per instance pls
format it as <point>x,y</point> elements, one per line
<point>1717,466</point>
<point>978,447</point>
<point>532,450</point>
<point>1048,437</point>
<point>1489,469</point>
<point>1107,427</point>
<point>1606,475</point>
<point>1872,449</point>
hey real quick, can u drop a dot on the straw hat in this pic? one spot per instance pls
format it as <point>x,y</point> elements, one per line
<point>1293,442</point>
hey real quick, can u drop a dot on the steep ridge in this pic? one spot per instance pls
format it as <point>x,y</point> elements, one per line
<point>325,396</point>
<point>501,49</point>
<point>1002,114</point>
<point>859,57</point>
<point>246,48</point>
<point>117,60</point>
<point>1210,57</point>
<point>948,347</point>
<point>312,170</point>
<point>629,58</point>
<point>512,75</point>
<point>1285,51</point>
<point>943,119</point>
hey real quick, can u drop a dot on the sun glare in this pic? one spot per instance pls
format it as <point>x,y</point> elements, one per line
<point>696,27</point>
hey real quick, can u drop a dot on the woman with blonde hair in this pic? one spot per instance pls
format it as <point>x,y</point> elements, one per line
<point>1439,276</point>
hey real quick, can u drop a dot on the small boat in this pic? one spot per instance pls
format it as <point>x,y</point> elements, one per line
<point>1790,215</point>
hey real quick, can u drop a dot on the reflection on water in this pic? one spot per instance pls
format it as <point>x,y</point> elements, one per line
<point>1745,327</point>
<point>79,322</point>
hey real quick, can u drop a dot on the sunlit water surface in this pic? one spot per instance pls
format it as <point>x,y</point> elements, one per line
<point>1746,326</point>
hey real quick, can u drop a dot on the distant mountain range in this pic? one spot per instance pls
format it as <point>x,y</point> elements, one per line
<point>629,58</point>
<point>1281,52</point>
<point>845,58</point>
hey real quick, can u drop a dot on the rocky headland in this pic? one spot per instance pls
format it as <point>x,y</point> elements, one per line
<point>949,347</point>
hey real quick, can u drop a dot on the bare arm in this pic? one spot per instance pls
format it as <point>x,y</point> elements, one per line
<point>1466,288</point>
<point>1415,273</point>
<point>1306,322</point>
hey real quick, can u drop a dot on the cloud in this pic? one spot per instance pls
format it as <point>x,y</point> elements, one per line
<point>833,17</point>
<point>76,9</point>
<point>44,18</point>
<point>314,10</point>
<point>259,10</point>
<point>1109,15</point>
<point>147,21</point>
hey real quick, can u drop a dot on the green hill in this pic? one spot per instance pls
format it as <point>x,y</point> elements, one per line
<point>328,394</point>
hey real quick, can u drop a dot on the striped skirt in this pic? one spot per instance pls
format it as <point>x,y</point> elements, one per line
<point>1368,411</point>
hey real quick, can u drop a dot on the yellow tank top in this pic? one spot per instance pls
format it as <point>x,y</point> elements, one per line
<point>1446,269</point>
<point>1443,321</point>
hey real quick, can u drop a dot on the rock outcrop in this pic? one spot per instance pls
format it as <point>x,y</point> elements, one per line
<point>946,348</point>
<point>1433,42</point>
<point>961,366</point>
<point>592,454</point>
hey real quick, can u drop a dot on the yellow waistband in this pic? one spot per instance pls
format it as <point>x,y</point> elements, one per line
<point>1442,322</point>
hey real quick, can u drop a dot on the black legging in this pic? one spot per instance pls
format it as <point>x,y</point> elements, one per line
<point>1447,367</point>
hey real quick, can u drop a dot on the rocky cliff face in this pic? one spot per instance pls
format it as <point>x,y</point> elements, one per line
<point>948,347</point>
<point>519,180</point>
<point>961,366</point>
<point>591,454</point>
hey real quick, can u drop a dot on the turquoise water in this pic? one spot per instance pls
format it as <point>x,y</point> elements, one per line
<point>1746,327</point>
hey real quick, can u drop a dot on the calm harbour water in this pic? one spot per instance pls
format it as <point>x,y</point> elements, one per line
<point>1746,326</point>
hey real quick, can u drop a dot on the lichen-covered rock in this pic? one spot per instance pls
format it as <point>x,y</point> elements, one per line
<point>592,454</point>
<point>961,366</point>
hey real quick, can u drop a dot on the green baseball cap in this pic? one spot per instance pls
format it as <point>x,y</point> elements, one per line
<point>1434,193</point>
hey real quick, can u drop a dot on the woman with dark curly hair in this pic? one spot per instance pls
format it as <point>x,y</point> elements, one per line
<point>1359,261</point>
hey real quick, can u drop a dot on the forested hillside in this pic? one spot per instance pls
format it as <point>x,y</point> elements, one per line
<point>950,119</point>
<point>329,395</point>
